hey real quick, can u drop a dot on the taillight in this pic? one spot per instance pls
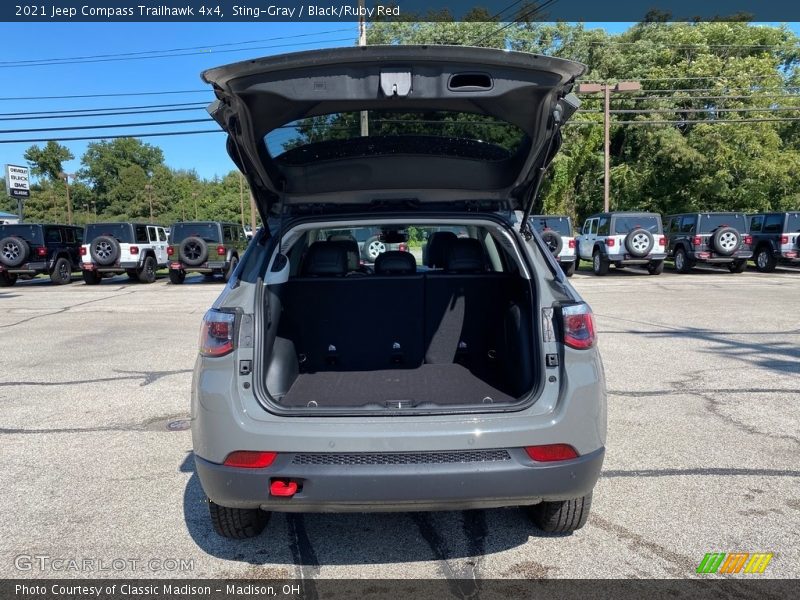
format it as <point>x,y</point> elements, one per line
<point>216,333</point>
<point>784,239</point>
<point>578,325</point>
<point>41,251</point>
<point>403,248</point>
<point>221,250</point>
<point>610,242</point>
<point>748,239</point>
<point>170,250</point>
<point>662,241</point>
<point>572,243</point>
<point>250,459</point>
<point>697,241</point>
<point>134,250</point>
<point>551,452</point>
<point>83,250</point>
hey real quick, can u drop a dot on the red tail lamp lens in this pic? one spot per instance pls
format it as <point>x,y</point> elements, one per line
<point>610,242</point>
<point>662,241</point>
<point>784,239</point>
<point>551,452</point>
<point>283,488</point>
<point>697,241</point>
<point>40,251</point>
<point>170,250</point>
<point>250,459</point>
<point>83,251</point>
<point>134,249</point>
<point>221,250</point>
<point>579,331</point>
<point>216,333</point>
<point>748,239</point>
<point>572,243</point>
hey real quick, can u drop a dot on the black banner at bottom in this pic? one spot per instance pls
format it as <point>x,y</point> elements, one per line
<point>391,589</point>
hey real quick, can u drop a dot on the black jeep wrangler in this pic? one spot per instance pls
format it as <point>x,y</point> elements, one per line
<point>713,238</point>
<point>208,247</point>
<point>29,249</point>
<point>776,238</point>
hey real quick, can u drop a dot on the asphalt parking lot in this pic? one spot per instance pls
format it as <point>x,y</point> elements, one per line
<point>703,443</point>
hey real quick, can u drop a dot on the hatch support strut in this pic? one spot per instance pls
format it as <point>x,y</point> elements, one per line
<point>525,227</point>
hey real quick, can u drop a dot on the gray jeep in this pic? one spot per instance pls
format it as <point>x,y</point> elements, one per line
<point>471,379</point>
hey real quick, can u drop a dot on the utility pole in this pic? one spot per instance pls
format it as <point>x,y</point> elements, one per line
<point>149,189</point>
<point>252,213</point>
<point>194,197</point>
<point>362,41</point>
<point>606,89</point>
<point>65,177</point>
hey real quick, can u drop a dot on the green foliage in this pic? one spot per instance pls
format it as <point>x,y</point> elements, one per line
<point>47,162</point>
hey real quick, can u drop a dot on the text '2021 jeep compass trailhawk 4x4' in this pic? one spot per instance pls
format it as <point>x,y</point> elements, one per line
<point>133,248</point>
<point>28,249</point>
<point>207,247</point>
<point>621,239</point>
<point>474,382</point>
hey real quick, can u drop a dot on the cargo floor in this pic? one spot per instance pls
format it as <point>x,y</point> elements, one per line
<point>428,384</point>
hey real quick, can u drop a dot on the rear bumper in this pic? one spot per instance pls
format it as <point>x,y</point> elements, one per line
<point>214,266</point>
<point>31,268</point>
<point>626,259</point>
<point>515,481</point>
<point>709,257</point>
<point>565,259</point>
<point>118,268</point>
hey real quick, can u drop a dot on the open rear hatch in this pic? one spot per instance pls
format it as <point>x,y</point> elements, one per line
<point>408,85</point>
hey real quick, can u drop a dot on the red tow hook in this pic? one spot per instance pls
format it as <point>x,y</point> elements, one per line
<point>281,487</point>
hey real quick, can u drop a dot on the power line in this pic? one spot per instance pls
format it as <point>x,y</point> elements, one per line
<point>103,114</point>
<point>691,78</point>
<point>110,137</point>
<point>529,13</point>
<point>91,110</point>
<point>690,46</point>
<point>78,127</point>
<point>129,54</point>
<point>691,122</point>
<point>115,95</point>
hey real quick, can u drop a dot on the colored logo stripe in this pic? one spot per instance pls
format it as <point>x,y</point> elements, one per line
<point>734,562</point>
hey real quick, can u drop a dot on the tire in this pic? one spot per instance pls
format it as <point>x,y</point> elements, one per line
<point>372,248</point>
<point>176,276</point>
<point>104,250</point>
<point>639,242</point>
<point>563,516</point>
<point>599,264</point>
<point>147,274</point>
<point>237,523</point>
<point>725,240</point>
<point>553,241</point>
<point>569,270</point>
<point>737,266</point>
<point>682,264</point>
<point>7,279</point>
<point>231,269</point>
<point>132,274</point>
<point>62,272</point>
<point>193,251</point>
<point>92,277</point>
<point>656,267</point>
<point>765,260</point>
<point>13,251</point>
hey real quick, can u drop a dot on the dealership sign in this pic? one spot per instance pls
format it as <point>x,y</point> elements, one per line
<point>17,181</point>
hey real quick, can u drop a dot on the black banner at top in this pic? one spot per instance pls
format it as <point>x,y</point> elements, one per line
<point>145,11</point>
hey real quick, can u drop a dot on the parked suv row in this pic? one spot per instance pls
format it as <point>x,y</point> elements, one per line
<point>712,238</point>
<point>105,249</point>
<point>776,239</point>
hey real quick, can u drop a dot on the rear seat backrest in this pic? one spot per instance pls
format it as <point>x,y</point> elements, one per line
<point>437,247</point>
<point>395,262</point>
<point>465,255</point>
<point>325,259</point>
<point>350,244</point>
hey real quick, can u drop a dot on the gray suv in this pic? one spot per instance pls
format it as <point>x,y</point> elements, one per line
<point>469,380</point>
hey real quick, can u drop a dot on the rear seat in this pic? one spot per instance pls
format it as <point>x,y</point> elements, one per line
<point>374,322</point>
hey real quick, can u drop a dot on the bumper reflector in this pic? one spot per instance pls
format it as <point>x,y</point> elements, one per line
<point>551,452</point>
<point>281,487</point>
<point>250,459</point>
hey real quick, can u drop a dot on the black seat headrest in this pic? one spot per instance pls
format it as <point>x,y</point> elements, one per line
<point>351,247</point>
<point>326,258</point>
<point>465,255</point>
<point>438,244</point>
<point>395,262</point>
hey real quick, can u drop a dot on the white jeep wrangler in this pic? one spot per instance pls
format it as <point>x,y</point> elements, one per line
<point>137,249</point>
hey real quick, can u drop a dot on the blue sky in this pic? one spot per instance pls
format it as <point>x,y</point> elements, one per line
<point>205,153</point>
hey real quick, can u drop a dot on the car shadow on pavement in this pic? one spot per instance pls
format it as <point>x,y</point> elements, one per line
<point>313,539</point>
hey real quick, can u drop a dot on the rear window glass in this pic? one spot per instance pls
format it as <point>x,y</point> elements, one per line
<point>558,224</point>
<point>207,231</point>
<point>629,223</point>
<point>709,223</point>
<point>793,223</point>
<point>52,235</point>
<point>433,132</point>
<point>119,231</point>
<point>29,233</point>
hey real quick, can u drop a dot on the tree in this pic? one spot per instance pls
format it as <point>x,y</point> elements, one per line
<point>48,161</point>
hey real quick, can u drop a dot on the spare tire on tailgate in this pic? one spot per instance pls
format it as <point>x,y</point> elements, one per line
<point>13,251</point>
<point>193,251</point>
<point>104,250</point>
<point>639,242</point>
<point>552,240</point>
<point>725,240</point>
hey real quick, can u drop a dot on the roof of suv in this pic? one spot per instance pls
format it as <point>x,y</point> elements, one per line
<point>624,213</point>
